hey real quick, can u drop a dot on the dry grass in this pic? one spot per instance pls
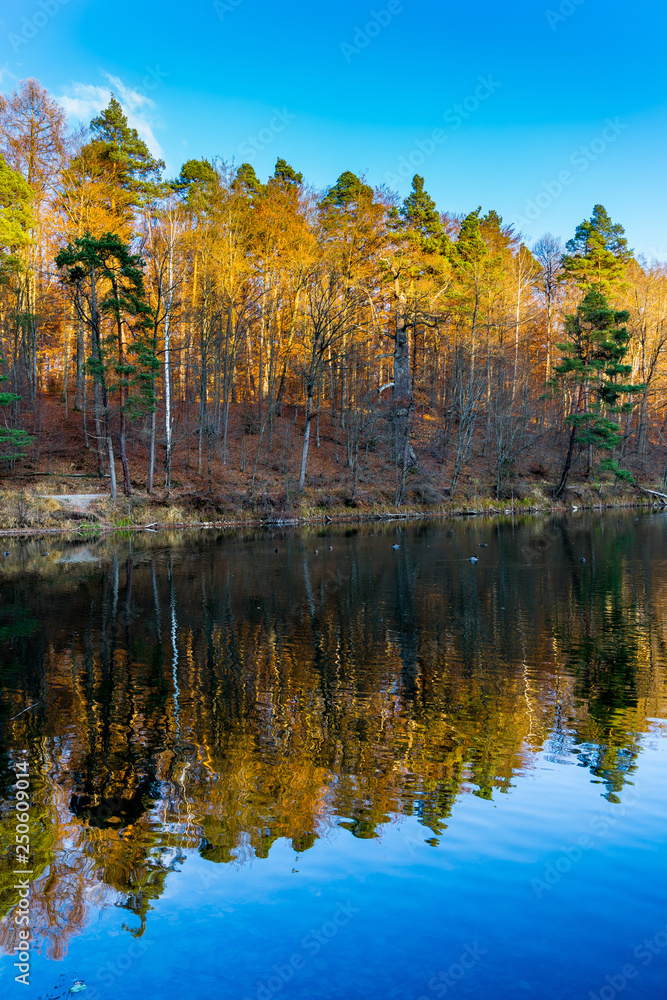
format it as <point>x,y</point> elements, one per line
<point>23,512</point>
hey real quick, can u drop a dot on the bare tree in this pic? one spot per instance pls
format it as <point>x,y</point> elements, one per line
<point>509,418</point>
<point>548,252</point>
<point>468,387</point>
<point>162,238</point>
<point>330,305</point>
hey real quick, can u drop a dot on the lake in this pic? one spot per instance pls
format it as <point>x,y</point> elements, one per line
<point>341,763</point>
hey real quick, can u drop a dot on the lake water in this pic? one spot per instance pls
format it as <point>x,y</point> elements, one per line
<point>357,772</point>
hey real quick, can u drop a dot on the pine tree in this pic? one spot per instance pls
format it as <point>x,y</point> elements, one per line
<point>469,257</point>
<point>348,192</point>
<point>470,249</point>
<point>117,151</point>
<point>598,254</point>
<point>420,217</point>
<point>199,172</point>
<point>196,185</point>
<point>247,181</point>
<point>285,174</point>
<point>14,441</point>
<point>107,282</point>
<point>593,367</point>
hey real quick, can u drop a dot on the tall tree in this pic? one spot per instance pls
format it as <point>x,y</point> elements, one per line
<point>286,174</point>
<point>598,254</point>
<point>548,252</point>
<point>469,258</point>
<point>16,218</point>
<point>348,192</point>
<point>422,220</point>
<point>329,311</point>
<point>33,140</point>
<point>247,181</point>
<point>33,134</point>
<point>14,441</point>
<point>593,367</point>
<point>418,274</point>
<point>107,280</point>
<point>124,158</point>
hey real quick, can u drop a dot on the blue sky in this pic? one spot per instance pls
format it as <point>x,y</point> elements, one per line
<point>537,108</point>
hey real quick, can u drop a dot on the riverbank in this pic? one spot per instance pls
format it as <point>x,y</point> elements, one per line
<point>56,511</point>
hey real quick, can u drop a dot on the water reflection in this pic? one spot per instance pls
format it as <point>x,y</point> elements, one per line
<point>209,694</point>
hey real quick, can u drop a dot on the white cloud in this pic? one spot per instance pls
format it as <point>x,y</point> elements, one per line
<point>6,76</point>
<point>85,100</point>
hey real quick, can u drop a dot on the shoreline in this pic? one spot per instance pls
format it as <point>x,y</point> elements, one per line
<point>479,508</point>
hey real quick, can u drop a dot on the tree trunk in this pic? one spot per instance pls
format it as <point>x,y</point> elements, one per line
<point>127,489</point>
<point>400,492</point>
<point>151,459</point>
<point>306,437</point>
<point>80,366</point>
<point>167,369</point>
<point>99,437</point>
<point>112,469</point>
<point>402,386</point>
<point>65,362</point>
<point>568,462</point>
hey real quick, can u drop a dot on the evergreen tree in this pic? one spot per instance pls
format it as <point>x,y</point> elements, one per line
<point>117,151</point>
<point>108,285</point>
<point>598,254</point>
<point>470,248</point>
<point>14,441</point>
<point>420,217</point>
<point>192,172</point>
<point>469,259</point>
<point>285,174</point>
<point>247,181</point>
<point>498,237</point>
<point>196,184</point>
<point>349,191</point>
<point>593,368</point>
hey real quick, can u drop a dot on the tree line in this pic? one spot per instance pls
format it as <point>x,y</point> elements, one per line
<point>194,313</point>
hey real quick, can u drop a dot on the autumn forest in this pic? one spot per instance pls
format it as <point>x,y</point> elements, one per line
<point>237,340</point>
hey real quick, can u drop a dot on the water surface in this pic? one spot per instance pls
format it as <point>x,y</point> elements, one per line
<point>341,769</point>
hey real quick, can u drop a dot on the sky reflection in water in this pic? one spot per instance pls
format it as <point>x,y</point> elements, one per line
<point>364,772</point>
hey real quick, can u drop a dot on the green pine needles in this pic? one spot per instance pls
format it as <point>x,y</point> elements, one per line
<point>594,371</point>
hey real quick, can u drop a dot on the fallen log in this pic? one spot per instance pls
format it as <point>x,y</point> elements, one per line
<point>654,493</point>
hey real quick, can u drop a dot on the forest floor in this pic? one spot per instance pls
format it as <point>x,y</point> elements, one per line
<point>40,493</point>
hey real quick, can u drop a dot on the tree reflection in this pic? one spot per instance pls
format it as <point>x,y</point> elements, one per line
<point>212,695</point>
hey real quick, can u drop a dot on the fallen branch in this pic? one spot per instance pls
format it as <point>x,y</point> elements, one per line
<point>654,493</point>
